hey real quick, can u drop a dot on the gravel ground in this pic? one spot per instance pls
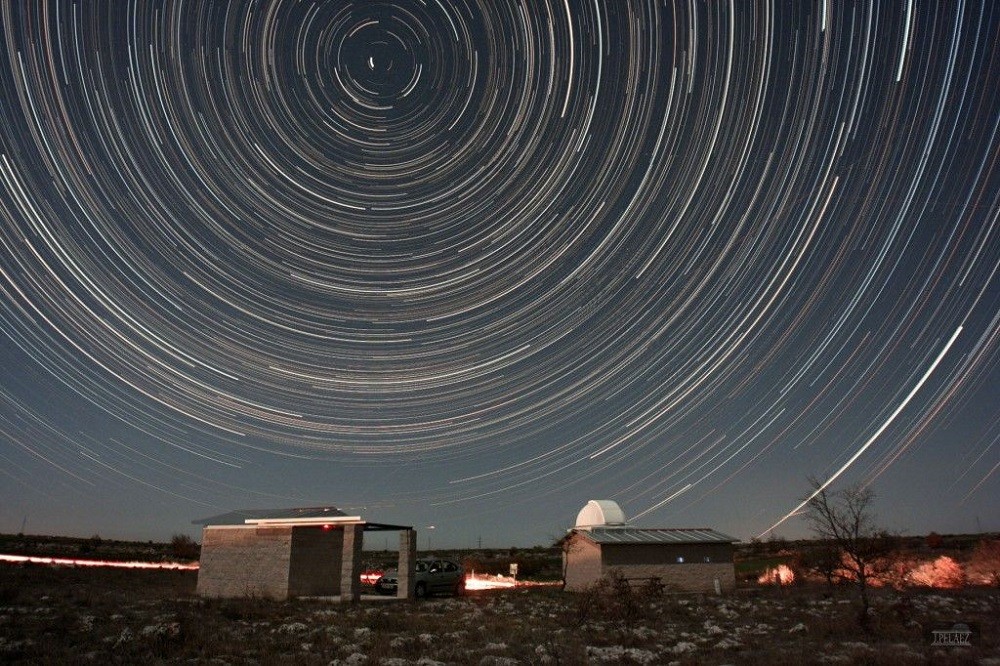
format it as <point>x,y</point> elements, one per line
<point>67,615</point>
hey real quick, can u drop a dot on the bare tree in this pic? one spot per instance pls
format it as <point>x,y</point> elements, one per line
<point>845,520</point>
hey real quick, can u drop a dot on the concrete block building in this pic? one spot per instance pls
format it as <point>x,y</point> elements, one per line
<point>683,560</point>
<point>292,552</point>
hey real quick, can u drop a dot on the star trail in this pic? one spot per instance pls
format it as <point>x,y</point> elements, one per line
<point>473,263</point>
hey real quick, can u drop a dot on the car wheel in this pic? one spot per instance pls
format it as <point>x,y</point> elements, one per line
<point>420,591</point>
<point>459,588</point>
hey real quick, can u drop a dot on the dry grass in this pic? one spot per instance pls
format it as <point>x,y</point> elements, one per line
<point>65,615</point>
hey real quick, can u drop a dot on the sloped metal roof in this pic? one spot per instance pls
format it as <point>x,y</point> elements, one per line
<point>643,535</point>
<point>240,516</point>
<point>301,517</point>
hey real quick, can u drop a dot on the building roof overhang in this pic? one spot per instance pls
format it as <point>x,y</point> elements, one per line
<point>297,517</point>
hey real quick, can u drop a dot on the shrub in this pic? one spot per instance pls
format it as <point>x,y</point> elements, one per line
<point>614,599</point>
<point>984,565</point>
<point>184,547</point>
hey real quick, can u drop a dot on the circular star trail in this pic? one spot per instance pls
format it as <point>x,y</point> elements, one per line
<point>539,243</point>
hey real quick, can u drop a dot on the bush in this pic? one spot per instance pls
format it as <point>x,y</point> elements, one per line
<point>184,547</point>
<point>614,599</point>
<point>984,565</point>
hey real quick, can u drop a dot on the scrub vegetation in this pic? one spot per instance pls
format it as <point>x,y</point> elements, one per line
<point>52,615</point>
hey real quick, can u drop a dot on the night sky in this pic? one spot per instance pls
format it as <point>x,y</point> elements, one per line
<point>471,264</point>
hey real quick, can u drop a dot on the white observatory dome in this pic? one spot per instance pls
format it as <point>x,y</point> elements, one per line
<point>600,513</point>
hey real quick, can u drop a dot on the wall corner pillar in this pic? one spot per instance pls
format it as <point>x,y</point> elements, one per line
<point>350,567</point>
<point>407,564</point>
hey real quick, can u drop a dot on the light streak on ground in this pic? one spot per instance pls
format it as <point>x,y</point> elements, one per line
<point>475,582</point>
<point>74,562</point>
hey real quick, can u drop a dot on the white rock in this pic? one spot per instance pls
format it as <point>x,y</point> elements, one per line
<point>617,653</point>
<point>356,659</point>
<point>713,629</point>
<point>494,660</point>
<point>292,628</point>
<point>427,661</point>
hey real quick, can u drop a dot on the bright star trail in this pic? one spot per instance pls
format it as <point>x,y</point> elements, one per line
<point>472,264</point>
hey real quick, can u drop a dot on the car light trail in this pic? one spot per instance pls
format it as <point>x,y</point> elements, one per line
<point>72,562</point>
<point>474,582</point>
<point>369,578</point>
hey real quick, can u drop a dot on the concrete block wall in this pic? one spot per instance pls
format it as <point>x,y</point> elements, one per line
<point>587,562</point>
<point>350,564</point>
<point>407,564</point>
<point>582,563</point>
<point>249,561</point>
<point>314,568</point>
<point>696,577</point>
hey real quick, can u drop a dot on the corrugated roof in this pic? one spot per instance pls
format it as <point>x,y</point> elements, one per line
<point>240,516</point>
<point>655,535</point>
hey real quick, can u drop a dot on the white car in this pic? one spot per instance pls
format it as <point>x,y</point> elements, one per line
<point>431,576</point>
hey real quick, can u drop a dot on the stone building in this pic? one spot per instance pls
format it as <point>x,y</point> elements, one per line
<point>682,560</point>
<point>284,553</point>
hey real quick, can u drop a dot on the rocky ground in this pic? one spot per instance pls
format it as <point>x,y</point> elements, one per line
<point>68,615</point>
